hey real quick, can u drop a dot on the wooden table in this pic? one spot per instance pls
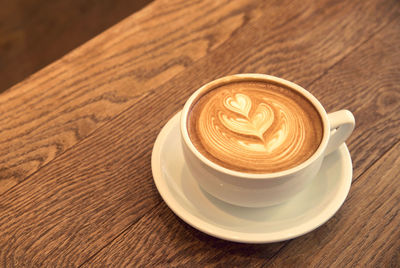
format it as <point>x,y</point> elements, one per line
<point>76,186</point>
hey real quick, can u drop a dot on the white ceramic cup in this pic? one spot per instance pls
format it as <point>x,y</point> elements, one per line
<point>261,190</point>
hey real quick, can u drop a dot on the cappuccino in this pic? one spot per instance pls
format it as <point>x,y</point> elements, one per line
<point>254,126</point>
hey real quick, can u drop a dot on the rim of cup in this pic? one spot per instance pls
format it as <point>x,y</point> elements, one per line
<point>254,77</point>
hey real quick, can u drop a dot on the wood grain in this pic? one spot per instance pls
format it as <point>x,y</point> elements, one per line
<point>161,239</point>
<point>62,104</point>
<point>35,33</point>
<point>367,83</point>
<point>350,235</point>
<point>345,241</point>
<point>94,190</point>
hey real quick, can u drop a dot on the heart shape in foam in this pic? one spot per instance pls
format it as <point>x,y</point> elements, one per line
<point>255,125</point>
<point>241,104</point>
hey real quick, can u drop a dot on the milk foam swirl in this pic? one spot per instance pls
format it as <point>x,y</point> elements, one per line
<point>251,127</point>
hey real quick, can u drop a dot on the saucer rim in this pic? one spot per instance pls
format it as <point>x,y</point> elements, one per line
<point>242,237</point>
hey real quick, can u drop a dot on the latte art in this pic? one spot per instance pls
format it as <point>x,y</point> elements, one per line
<point>255,127</point>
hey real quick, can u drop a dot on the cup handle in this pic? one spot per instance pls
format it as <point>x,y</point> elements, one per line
<point>341,125</point>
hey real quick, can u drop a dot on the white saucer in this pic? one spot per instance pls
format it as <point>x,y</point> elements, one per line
<point>300,215</point>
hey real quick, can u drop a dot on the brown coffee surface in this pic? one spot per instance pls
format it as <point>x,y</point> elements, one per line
<point>255,126</point>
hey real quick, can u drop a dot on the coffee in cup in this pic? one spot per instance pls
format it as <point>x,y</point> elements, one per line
<point>256,140</point>
<point>254,126</point>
